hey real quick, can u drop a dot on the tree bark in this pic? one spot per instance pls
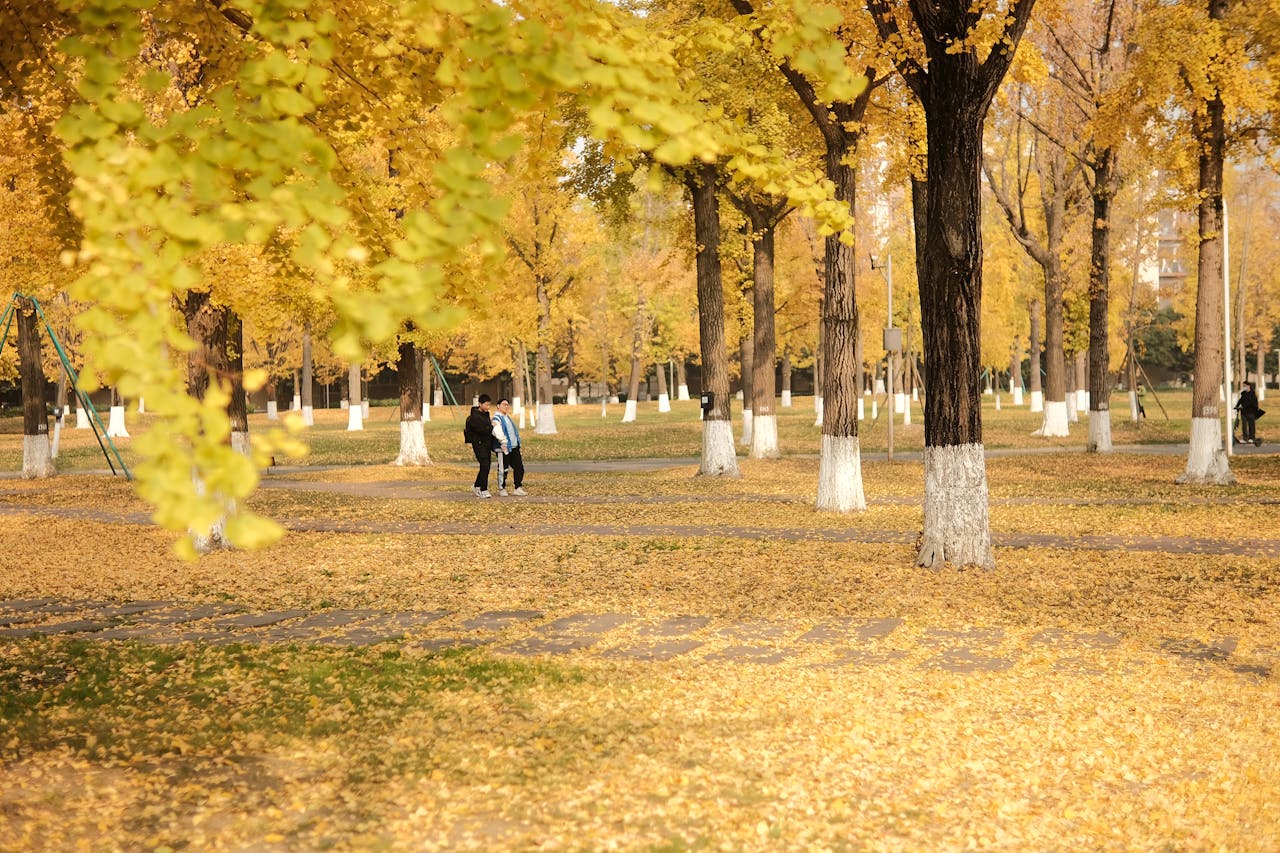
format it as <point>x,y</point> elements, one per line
<point>718,456</point>
<point>238,405</point>
<point>355,409</point>
<point>306,398</point>
<point>1033,352</point>
<point>413,442</point>
<point>37,463</point>
<point>546,424</point>
<point>1207,459</point>
<point>764,345</point>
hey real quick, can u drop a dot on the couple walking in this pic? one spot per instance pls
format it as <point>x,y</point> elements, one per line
<point>490,432</point>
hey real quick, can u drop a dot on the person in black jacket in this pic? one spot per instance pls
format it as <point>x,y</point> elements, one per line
<point>478,432</point>
<point>1247,406</point>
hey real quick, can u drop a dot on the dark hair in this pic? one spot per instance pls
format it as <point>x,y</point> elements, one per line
<point>502,400</point>
<point>482,399</point>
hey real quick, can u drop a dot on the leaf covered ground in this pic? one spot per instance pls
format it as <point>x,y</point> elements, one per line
<point>1125,746</point>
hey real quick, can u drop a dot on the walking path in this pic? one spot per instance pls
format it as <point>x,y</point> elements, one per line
<point>830,643</point>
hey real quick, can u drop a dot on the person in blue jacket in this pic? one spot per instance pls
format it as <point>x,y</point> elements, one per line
<point>508,438</point>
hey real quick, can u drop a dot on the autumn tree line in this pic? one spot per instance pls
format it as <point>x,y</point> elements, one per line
<point>209,196</point>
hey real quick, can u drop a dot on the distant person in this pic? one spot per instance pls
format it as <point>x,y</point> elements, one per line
<point>478,432</point>
<point>504,430</point>
<point>1142,413</point>
<point>1247,406</point>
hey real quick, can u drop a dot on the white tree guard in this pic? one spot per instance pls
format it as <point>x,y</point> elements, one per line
<point>664,403</point>
<point>296,406</point>
<point>573,396</point>
<point>115,423</point>
<point>82,417</point>
<point>719,458</point>
<point>748,419</point>
<point>1100,432</point>
<point>364,409</point>
<point>786,399</point>
<point>682,393</point>
<point>355,418</point>
<point>1207,461</point>
<point>413,444</point>
<point>956,524</point>
<point>309,415</point>
<point>546,422</point>
<point>273,412</point>
<point>1055,420</point>
<point>629,413</point>
<point>1017,395</point>
<point>840,475</point>
<point>899,402</point>
<point>1037,401</point>
<point>764,437</point>
<point>37,461</point>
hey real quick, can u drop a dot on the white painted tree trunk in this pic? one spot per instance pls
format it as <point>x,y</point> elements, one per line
<point>37,462</point>
<point>1017,395</point>
<point>875,408</point>
<point>629,413</point>
<point>426,411</point>
<point>786,399</point>
<point>1082,401</point>
<point>546,421</point>
<point>899,403</point>
<point>682,393</point>
<point>216,537</point>
<point>355,418</point>
<point>719,459</point>
<point>879,386</point>
<point>817,409</point>
<point>573,396</point>
<point>273,412</point>
<point>82,417</point>
<point>240,443</point>
<point>997,401</point>
<point>115,423</point>
<point>364,409</point>
<point>296,406</point>
<point>1207,458</point>
<point>308,416</point>
<point>664,403</point>
<point>1070,402</point>
<point>413,444</point>
<point>764,437</point>
<point>57,438</point>
<point>142,405</point>
<point>344,405</point>
<point>1100,432</point>
<point>1133,406</point>
<point>437,397</point>
<point>748,419</point>
<point>1055,420</point>
<point>956,525</point>
<point>906,413</point>
<point>1037,401</point>
<point>613,398</point>
<point>840,475</point>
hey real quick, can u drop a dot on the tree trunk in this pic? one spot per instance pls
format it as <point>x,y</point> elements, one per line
<point>273,398</point>
<point>355,409</point>
<point>1055,375</point>
<point>413,441</point>
<point>1015,372</point>
<point>956,520</point>
<point>1207,459</point>
<point>308,412</point>
<point>571,373</point>
<point>745,360</point>
<point>238,405</point>
<point>1033,353</point>
<point>546,420</point>
<point>786,377</point>
<point>37,463</point>
<point>764,345</point>
<point>638,335</point>
<point>718,455</point>
<point>682,378</point>
<point>425,383</point>
<point>664,397</point>
<point>1099,305</point>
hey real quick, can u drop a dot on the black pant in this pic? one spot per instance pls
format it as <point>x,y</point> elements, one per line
<point>483,456</point>
<point>1248,425</point>
<point>515,464</point>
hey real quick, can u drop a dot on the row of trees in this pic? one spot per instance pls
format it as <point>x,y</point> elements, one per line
<point>491,181</point>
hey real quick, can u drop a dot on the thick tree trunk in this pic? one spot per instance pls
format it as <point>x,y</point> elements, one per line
<point>956,521</point>
<point>116,427</point>
<point>1055,375</point>
<point>718,455</point>
<point>37,463</point>
<point>1207,458</point>
<point>308,412</point>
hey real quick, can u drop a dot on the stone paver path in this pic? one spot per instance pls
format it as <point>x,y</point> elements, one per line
<point>831,643</point>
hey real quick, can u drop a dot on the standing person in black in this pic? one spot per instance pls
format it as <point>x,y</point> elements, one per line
<point>1247,406</point>
<point>478,433</point>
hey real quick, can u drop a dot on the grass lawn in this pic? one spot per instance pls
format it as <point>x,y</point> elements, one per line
<point>1121,696</point>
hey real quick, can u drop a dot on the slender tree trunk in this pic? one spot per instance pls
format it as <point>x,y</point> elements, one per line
<point>546,420</point>
<point>273,397</point>
<point>355,409</point>
<point>745,360</point>
<point>764,427</point>
<point>786,377</point>
<point>571,372</point>
<point>718,455</point>
<point>238,405</point>
<point>1099,306</point>
<point>413,441</point>
<point>1055,374</point>
<point>1015,372</point>
<point>37,463</point>
<point>1033,352</point>
<point>682,378</point>
<point>426,383</point>
<point>308,412</point>
<point>61,410</point>
<point>664,397</point>
<point>1207,458</point>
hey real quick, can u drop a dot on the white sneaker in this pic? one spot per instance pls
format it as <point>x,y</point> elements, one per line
<point>520,491</point>
<point>476,489</point>
<point>485,495</point>
<point>502,493</point>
